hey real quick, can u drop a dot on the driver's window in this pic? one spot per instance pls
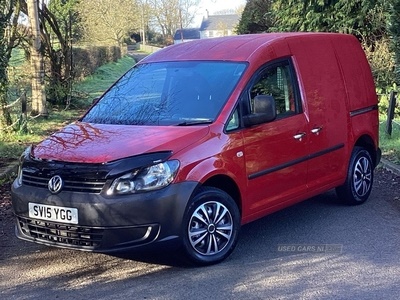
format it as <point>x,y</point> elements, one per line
<point>276,81</point>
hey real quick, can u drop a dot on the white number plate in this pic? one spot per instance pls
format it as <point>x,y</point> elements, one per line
<point>53,213</point>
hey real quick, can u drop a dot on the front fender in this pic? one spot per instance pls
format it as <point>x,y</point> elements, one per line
<point>208,168</point>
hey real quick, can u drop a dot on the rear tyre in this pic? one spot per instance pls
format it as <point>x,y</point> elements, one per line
<point>211,227</point>
<point>360,177</point>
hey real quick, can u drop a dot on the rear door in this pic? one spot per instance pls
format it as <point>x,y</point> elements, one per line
<point>276,152</point>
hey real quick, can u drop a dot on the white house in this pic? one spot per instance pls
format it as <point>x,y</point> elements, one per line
<point>218,25</point>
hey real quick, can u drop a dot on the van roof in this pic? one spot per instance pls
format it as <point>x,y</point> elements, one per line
<point>230,48</point>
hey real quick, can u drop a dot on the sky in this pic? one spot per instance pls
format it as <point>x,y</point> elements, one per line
<point>214,6</point>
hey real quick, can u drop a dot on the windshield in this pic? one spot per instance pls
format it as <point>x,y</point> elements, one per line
<point>168,93</point>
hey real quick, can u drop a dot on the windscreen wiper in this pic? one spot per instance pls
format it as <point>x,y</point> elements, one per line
<point>190,122</point>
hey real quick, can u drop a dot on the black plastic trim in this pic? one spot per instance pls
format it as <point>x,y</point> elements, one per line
<point>363,110</point>
<point>47,169</point>
<point>294,162</point>
<point>127,164</point>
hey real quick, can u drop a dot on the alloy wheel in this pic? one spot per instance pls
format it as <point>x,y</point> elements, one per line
<point>210,228</point>
<point>362,177</point>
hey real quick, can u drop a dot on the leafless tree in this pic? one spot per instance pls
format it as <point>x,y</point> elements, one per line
<point>170,15</point>
<point>109,21</point>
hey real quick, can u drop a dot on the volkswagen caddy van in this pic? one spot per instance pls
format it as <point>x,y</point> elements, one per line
<point>200,138</point>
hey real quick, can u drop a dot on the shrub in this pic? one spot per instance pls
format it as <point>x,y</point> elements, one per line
<point>88,59</point>
<point>382,64</point>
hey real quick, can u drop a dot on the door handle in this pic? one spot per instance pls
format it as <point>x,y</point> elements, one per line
<point>316,130</point>
<point>299,136</point>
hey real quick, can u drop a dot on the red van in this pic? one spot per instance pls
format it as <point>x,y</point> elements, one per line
<point>203,137</point>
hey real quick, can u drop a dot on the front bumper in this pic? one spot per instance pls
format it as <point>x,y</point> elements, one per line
<point>106,224</point>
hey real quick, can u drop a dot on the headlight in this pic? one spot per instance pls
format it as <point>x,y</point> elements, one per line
<point>147,179</point>
<point>19,175</point>
<point>21,160</point>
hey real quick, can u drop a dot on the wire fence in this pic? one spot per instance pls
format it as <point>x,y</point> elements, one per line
<point>18,110</point>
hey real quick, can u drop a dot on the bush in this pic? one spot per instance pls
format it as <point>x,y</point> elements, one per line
<point>382,64</point>
<point>87,60</point>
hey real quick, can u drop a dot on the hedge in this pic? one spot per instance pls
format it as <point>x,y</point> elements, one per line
<point>87,59</point>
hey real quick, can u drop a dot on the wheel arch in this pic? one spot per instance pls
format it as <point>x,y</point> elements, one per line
<point>365,141</point>
<point>228,185</point>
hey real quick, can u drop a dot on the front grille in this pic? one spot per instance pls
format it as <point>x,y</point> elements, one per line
<point>61,234</point>
<point>85,185</point>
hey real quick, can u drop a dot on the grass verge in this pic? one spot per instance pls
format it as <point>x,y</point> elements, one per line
<point>94,85</point>
<point>13,144</point>
<point>390,144</point>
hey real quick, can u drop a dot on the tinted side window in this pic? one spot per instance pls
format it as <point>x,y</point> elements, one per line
<point>277,81</point>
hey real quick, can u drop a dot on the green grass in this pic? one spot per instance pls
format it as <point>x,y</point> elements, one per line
<point>13,144</point>
<point>94,85</point>
<point>390,145</point>
<point>17,57</point>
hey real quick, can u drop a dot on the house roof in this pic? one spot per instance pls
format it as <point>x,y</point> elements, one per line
<point>188,34</point>
<point>214,22</point>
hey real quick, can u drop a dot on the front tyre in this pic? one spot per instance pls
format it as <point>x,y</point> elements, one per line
<point>211,227</point>
<point>360,176</point>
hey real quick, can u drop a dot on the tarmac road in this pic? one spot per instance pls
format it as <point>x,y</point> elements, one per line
<point>318,249</point>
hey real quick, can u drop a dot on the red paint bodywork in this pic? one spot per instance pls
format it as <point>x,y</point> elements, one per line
<point>334,80</point>
<point>100,143</point>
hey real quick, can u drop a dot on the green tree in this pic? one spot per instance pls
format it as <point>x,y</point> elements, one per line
<point>365,19</point>
<point>357,17</point>
<point>394,32</point>
<point>8,40</point>
<point>256,17</point>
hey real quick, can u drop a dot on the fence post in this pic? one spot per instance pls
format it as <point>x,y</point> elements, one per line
<point>390,112</point>
<point>23,126</point>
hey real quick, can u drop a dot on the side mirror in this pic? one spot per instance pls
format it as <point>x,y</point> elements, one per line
<point>264,111</point>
